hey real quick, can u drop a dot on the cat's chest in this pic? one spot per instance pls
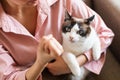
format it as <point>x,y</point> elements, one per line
<point>75,48</point>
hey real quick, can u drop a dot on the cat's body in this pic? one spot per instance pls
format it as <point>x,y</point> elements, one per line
<point>79,37</point>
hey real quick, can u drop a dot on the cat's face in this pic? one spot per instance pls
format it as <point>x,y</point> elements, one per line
<point>75,29</point>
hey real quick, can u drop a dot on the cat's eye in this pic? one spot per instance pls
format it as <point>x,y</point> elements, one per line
<point>80,32</point>
<point>68,29</point>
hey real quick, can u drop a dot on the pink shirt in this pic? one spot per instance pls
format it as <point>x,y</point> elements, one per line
<point>50,17</point>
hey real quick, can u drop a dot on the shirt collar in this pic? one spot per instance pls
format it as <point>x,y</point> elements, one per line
<point>44,5</point>
<point>9,24</point>
<point>6,22</point>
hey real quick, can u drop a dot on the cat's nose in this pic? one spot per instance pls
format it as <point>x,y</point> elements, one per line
<point>71,38</point>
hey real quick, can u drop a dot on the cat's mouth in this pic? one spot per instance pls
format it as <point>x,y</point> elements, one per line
<point>71,40</point>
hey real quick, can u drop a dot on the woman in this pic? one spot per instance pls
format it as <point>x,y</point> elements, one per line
<point>26,49</point>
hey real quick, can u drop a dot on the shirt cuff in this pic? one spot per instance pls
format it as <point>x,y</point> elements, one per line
<point>92,65</point>
<point>88,54</point>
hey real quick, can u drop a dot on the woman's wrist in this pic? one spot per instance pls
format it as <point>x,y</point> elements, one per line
<point>36,69</point>
<point>82,59</point>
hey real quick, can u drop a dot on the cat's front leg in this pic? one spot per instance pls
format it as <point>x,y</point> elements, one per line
<point>84,73</point>
<point>72,63</point>
<point>96,50</point>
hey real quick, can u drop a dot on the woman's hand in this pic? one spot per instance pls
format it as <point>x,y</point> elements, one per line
<point>58,67</point>
<point>48,49</point>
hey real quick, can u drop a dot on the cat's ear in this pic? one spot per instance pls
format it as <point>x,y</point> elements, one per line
<point>67,16</point>
<point>88,20</point>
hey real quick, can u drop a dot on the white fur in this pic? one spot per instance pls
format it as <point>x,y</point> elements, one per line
<point>78,46</point>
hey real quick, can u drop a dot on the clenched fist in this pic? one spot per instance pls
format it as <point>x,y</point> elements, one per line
<point>49,48</point>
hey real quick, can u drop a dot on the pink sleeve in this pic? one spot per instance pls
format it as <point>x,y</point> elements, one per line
<point>8,69</point>
<point>105,34</point>
<point>20,75</point>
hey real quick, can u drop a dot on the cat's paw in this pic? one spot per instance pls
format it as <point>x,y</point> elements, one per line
<point>96,53</point>
<point>76,72</point>
<point>96,57</point>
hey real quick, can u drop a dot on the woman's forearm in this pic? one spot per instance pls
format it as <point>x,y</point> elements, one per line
<point>35,70</point>
<point>82,59</point>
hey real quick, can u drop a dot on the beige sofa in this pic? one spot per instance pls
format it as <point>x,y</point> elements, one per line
<point>109,10</point>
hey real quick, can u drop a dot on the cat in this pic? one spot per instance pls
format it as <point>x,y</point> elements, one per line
<point>79,36</point>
